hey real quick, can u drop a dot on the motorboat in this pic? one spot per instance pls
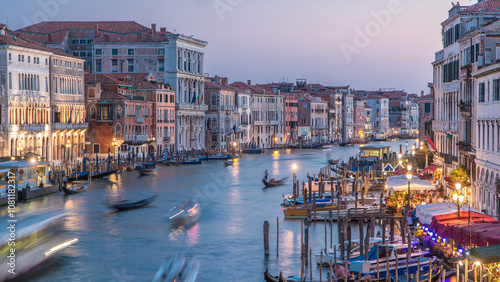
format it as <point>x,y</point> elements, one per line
<point>129,205</point>
<point>38,236</point>
<point>185,213</point>
<point>388,254</point>
<point>219,157</point>
<point>179,269</point>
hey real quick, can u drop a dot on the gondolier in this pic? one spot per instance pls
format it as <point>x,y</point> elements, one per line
<point>265,175</point>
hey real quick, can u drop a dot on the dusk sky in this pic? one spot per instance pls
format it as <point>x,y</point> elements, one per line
<point>272,41</point>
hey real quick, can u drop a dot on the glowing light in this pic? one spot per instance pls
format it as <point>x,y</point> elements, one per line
<point>294,167</point>
<point>461,263</point>
<point>455,197</point>
<point>458,186</point>
<point>33,160</point>
<point>234,144</point>
<point>477,263</point>
<point>276,152</point>
<point>409,176</point>
<point>400,156</point>
<point>60,247</point>
<point>409,167</point>
<point>12,158</point>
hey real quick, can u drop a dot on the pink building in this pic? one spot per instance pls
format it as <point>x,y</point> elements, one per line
<point>359,119</point>
<point>291,116</point>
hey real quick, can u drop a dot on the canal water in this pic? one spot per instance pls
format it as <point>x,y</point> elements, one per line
<point>227,240</point>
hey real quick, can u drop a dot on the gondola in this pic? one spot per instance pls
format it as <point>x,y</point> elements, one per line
<point>103,174</point>
<point>269,278</point>
<point>274,183</point>
<point>312,178</point>
<point>202,158</point>
<point>147,171</point>
<point>229,163</point>
<point>75,175</point>
<point>128,205</point>
<point>78,188</point>
<point>190,161</point>
<point>334,162</point>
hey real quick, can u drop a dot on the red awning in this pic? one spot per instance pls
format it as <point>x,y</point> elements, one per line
<point>449,226</point>
<point>430,169</point>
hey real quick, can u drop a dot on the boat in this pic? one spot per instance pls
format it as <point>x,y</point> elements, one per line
<point>379,139</point>
<point>369,267</point>
<point>186,213</point>
<point>202,158</point>
<point>346,144</point>
<point>102,174</point>
<point>39,236</point>
<point>190,161</point>
<point>147,171</point>
<point>229,163</point>
<point>274,182</point>
<point>312,178</point>
<point>255,151</point>
<point>300,211</point>
<point>75,188</point>
<point>269,278</point>
<point>128,205</point>
<point>75,175</point>
<point>355,251</point>
<point>334,162</point>
<point>219,157</point>
<point>179,269</point>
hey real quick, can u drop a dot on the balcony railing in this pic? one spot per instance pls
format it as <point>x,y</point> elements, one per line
<point>465,108</point>
<point>141,138</point>
<point>465,146</point>
<point>166,139</point>
<point>31,127</point>
<point>139,119</point>
<point>64,126</point>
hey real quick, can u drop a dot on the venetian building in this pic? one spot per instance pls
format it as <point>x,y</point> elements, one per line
<point>25,96</point>
<point>67,108</point>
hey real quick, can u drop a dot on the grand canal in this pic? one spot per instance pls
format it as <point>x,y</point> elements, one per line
<point>227,240</point>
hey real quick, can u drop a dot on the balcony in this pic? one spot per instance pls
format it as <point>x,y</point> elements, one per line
<point>245,123</point>
<point>32,127</point>
<point>66,126</point>
<point>439,55</point>
<point>166,139</point>
<point>227,108</point>
<point>139,119</point>
<point>191,107</point>
<point>141,138</point>
<point>465,146</point>
<point>465,108</point>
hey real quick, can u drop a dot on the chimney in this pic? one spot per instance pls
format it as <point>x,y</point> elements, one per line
<point>164,29</point>
<point>216,79</point>
<point>96,30</point>
<point>106,37</point>
<point>249,82</point>
<point>153,27</point>
<point>264,91</point>
<point>49,37</point>
<point>3,31</point>
<point>422,93</point>
<point>487,56</point>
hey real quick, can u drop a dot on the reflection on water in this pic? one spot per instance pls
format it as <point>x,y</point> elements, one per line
<point>227,237</point>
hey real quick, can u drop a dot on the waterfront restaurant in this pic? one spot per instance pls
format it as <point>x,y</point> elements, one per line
<point>372,153</point>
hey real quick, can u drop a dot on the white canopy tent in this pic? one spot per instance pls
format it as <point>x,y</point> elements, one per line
<point>400,183</point>
<point>426,212</point>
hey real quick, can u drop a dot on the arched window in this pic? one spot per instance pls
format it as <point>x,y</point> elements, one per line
<point>93,114</point>
<point>209,124</point>
<point>214,124</point>
<point>214,99</point>
<point>118,112</point>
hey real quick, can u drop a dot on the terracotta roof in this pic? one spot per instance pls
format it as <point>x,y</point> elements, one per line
<point>243,87</point>
<point>211,85</point>
<point>107,94</point>
<point>485,6</point>
<point>103,78</point>
<point>12,39</point>
<point>374,96</point>
<point>111,26</point>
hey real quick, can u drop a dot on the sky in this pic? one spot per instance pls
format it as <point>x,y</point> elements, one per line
<point>367,44</point>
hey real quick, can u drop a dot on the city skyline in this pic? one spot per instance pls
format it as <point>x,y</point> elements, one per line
<point>336,58</point>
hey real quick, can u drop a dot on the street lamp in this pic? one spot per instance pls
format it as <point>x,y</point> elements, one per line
<point>459,200</point>
<point>276,143</point>
<point>409,176</point>
<point>458,186</point>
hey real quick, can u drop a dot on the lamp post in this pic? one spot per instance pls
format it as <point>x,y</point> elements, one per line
<point>409,176</point>
<point>295,188</point>
<point>68,146</point>
<point>459,200</point>
<point>400,156</point>
<point>114,143</point>
<point>276,143</point>
<point>234,147</point>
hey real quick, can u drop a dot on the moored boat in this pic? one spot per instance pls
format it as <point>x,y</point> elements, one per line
<point>387,255</point>
<point>300,211</point>
<point>202,158</point>
<point>75,175</point>
<point>190,161</point>
<point>129,205</point>
<point>229,163</point>
<point>274,182</point>
<point>334,162</point>
<point>219,157</point>
<point>102,174</point>
<point>255,151</point>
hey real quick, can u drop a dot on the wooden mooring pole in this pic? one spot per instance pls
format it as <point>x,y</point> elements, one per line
<point>266,238</point>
